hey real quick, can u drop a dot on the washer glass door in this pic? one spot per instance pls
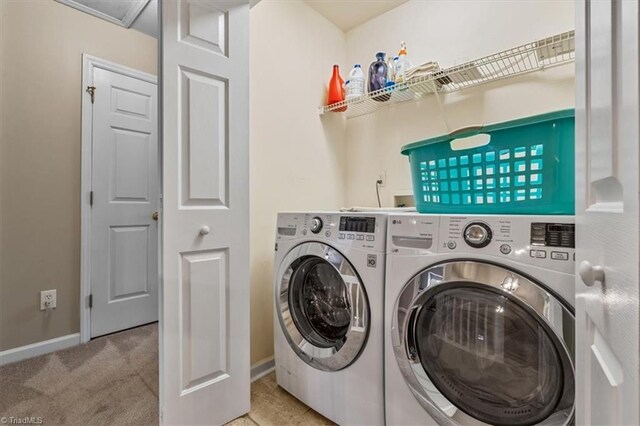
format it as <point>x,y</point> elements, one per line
<point>319,302</point>
<point>487,342</point>
<point>322,306</point>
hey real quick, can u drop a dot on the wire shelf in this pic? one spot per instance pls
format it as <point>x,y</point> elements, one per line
<point>540,54</point>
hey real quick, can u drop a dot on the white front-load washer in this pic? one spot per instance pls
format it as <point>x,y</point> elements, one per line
<point>329,303</point>
<point>479,320</point>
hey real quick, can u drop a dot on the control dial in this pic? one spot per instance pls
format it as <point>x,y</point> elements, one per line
<point>477,234</point>
<point>316,225</point>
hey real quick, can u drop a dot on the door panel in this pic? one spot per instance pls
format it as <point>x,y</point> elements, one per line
<point>205,220</point>
<point>130,167</point>
<point>607,185</point>
<point>204,140</point>
<point>606,376</point>
<point>128,102</point>
<point>124,237</point>
<point>203,27</point>
<point>204,318</point>
<point>127,275</point>
<point>601,54</point>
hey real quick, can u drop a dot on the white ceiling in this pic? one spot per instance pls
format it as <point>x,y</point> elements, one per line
<point>147,21</point>
<point>141,15</point>
<point>347,14</point>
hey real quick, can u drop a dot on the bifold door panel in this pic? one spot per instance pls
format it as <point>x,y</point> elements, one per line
<point>205,349</point>
<point>607,205</point>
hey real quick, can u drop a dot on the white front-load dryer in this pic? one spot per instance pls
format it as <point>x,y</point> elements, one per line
<point>479,320</point>
<point>329,302</point>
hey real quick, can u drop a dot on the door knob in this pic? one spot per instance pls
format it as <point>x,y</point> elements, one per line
<point>154,216</point>
<point>590,274</point>
<point>205,230</point>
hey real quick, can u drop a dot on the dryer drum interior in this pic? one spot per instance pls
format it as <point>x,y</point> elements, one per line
<point>488,352</point>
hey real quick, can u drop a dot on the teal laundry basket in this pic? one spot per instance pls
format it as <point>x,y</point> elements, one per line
<point>527,167</point>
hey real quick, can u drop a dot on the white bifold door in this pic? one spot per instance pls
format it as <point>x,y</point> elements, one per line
<point>124,184</point>
<point>204,345</point>
<point>607,213</point>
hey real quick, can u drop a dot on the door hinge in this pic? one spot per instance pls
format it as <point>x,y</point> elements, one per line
<point>90,301</point>
<point>91,198</point>
<point>91,90</point>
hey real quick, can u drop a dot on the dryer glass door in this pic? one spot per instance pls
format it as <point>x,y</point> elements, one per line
<point>322,306</point>
<point>486,349</point>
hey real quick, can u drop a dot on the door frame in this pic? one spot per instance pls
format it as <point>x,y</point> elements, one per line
<point>89,64</point>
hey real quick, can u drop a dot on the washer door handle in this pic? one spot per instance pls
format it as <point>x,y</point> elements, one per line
<point>590,274</point>
<point>411,348</point>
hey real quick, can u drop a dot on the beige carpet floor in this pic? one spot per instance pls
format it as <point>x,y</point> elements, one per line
<point>113,380</point>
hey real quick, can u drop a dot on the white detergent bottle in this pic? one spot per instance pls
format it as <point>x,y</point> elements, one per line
<point>403,64</point>
<point>356,82</point>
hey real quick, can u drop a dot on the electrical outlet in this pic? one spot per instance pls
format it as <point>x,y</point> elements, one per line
<point>48,299</point>
<point>382,177</point>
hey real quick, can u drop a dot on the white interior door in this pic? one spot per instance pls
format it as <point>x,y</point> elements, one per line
<point>607,214</point>
<point>205,216</point>
<point>124,181</point>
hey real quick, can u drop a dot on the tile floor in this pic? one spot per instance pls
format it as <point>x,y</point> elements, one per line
<point>273,406</point>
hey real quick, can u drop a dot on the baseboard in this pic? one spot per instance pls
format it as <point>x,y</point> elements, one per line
<point>40,348</point>
<point>258,370</point>
<point>262,368</point>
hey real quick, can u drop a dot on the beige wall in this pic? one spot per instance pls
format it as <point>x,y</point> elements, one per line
<point>302,162</point>
<point>42,43</point>
<point>297,159</point>
<point>449,32</point>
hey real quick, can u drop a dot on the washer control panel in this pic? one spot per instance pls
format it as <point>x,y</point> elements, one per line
<point>358,230</point>
<point>545,241</point>
<point>365,224</point>
<point>477,234</point>
<point>480,233</point>
<point>316,225</point>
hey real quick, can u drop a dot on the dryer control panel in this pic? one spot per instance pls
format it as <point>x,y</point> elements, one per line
<point>357,230</point>
<point>544,241</point>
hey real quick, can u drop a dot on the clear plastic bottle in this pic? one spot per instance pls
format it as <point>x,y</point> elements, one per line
<point>355,87</point>
<point>391,69</point>
<point>403,64</point>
